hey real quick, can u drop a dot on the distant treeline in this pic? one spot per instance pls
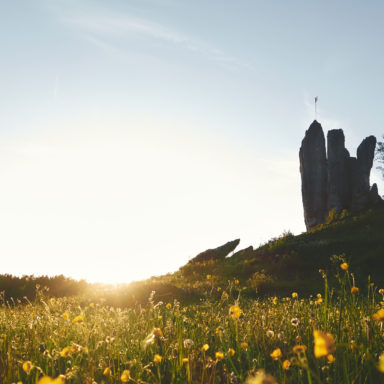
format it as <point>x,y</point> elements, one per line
<point>13,287</point>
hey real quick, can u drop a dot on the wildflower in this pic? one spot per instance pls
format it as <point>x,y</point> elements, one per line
<point>295,321</point>
<point>49,380</point>
<point>286,364</point>
<point>354,290</point>
<point>205,348</point>
<point>260,377</point>
<point>107,372</point>
<point>331,359</point>
<point>298,349</point>
<point>237,282</point>
<point>276,354</point>
<point>234,312</point>
<point>65,352</point>
<point>78,319</point>
<point>319,301</point>
<point>125,376</point>
<point>188,343</point>
<point>185,360</point>
<point>274,300</point>
<point>244,345</point>
<point>218,289</point>
<point>381,291</point>
<point>270,333</point>
<point>209,277</point>
<point>27,366</point>
<point>224,295</point>
<point>295,295</point>
<point>231,352</point>
<point>379,315</point>
<point>157,358</point>
<point>219,356</point>
<point>65,316</point>
<point>344,266</point>
<point>319,296</point>
<point>92,305</point>
<point>324,344</point>
<point>168,306</point>
<point>380,365</point>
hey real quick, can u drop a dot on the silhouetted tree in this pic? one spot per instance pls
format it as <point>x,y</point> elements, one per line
<point>380,156</point>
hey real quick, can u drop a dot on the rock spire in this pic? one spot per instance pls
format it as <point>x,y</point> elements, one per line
<point>332,179</point>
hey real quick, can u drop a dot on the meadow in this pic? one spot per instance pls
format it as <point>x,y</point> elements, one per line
<point>332,336</point>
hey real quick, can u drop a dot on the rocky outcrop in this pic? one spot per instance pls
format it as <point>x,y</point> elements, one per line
<point>216,253</point>
<point>338,186</point>
<point>313,169</point>
<point>334,181</point>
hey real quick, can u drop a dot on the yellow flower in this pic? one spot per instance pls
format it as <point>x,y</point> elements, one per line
<point>157,358</point>
<point>298,349</point>
<point>286,364</point>
<point>107,372</point>
<point>276,354</point>
<point>231,352</point>
<point>324,344</point>
<point>354,290</point>
<point>219,356</point>
<point>205,348</point>
<point>295,295</point>
<point>209,277</point>
<point>125,376</point>
<point>274,300</point>
<point>27,366</point>
<point>185,360</point>
<point>319,296</point>
<point>260,377</point>
<point>234,312</point>
<point>218,289</point>
<point>319,301</point>
<point>168,306</point>
<point>379,315</point>
<point>344,266</point>
<point>78,319</point>
<point>65,316</point>
<point>49,380</point>
<point>224,295</point>
<point>331,359</point>
<point>65,352</point>
<point>380,366</point>
<point>381,291</point>
<point>92,305</point>
<point>244,345</point>
<point>237,282</point>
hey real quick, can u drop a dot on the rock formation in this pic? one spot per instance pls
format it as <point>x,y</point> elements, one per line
<point>334,181</point>
<point>313,169</point>
<point>216,253</point>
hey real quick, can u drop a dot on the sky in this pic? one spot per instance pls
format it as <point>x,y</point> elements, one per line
<point>135,134</point>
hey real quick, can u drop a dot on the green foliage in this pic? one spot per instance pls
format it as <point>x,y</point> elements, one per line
<point>380,155</point>
<point>335,336</point>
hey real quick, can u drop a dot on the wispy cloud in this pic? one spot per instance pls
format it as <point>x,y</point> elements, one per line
<point>102,30</point>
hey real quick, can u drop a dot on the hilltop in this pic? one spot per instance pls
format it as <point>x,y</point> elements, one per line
<point>291,263</point>
<point>284,264</point>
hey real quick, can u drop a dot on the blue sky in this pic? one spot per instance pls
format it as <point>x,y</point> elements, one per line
<point>135,134</point>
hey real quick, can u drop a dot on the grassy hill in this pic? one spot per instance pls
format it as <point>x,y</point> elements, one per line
<point>284,264</point>
<point>291,263</point>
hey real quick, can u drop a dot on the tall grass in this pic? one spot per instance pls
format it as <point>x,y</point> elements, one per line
<point>334,336</point>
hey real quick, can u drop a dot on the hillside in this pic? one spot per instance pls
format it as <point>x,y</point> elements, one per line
<point>291,262</point>
<point>284,264</point>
